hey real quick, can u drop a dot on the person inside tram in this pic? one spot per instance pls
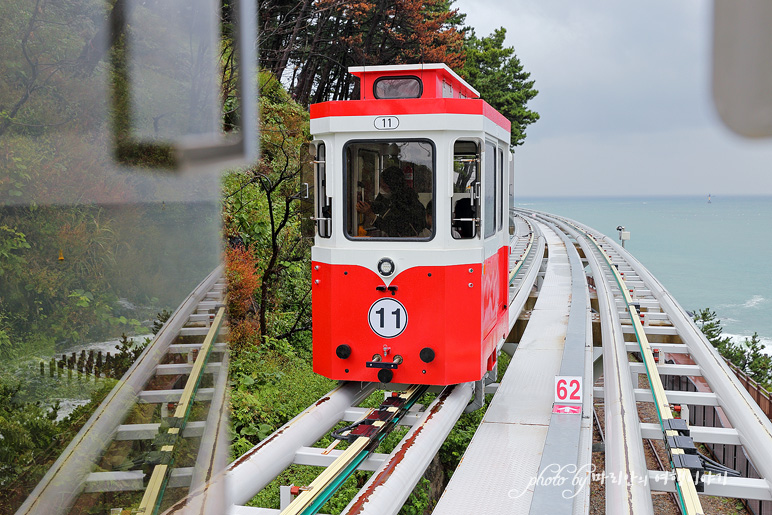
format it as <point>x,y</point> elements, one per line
<point>396,210</point>
<point>427,231</point>
<point>463,215</point>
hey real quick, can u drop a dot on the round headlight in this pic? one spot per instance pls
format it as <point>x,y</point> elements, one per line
<point>386,267</point>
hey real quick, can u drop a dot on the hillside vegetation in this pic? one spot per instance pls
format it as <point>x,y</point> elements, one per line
<point>268,260</point>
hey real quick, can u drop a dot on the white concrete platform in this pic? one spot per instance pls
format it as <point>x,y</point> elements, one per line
<point>497,471</point>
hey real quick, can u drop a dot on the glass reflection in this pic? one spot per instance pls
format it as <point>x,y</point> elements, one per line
<point>89,251</point>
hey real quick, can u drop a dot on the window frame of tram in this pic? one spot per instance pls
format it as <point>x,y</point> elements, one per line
<point>500,211</point>
<point>323,201</point>
<point>465,220</point>
<point>307,195</point>
<point>395,87</point>
<point>489,190</point>
<point>511,172</point>
<point>359,190</point>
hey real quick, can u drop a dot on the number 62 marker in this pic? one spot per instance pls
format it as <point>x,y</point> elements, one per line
<point>568,389</point>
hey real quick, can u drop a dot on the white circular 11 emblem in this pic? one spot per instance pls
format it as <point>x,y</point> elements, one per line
<point>387,318</point>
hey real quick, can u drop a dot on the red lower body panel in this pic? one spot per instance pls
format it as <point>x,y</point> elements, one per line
<point>458,314</point>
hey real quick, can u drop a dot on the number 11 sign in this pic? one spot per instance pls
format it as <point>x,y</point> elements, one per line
<point>568,389</point>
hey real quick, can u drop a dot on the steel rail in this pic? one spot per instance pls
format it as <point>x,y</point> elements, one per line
<point>212,457</point>
<point>151,500</point>
<point>513,273</point>
<point>661,466</point>
<point>596,418</point>
<point>755,428</point>
<point>685,483</point>
<point>624,455</point>
<point>250,473</point>
<point>247,475</point>
<point>63,482</point>
<point>310,501</point>
<point>389,486</point>
<point>517,303</point>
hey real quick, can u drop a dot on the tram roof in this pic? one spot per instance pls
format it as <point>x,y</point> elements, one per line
<point>432,74</point>
<point>442,91</point>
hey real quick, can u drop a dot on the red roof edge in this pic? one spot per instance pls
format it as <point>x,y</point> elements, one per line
<point>409,106</point>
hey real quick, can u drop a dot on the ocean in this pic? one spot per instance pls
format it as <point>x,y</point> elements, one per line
<point>714,255</point>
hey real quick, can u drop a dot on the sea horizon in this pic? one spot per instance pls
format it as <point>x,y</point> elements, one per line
<point>708,255</point>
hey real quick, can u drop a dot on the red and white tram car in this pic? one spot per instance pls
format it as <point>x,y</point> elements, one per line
<point>412,189</point>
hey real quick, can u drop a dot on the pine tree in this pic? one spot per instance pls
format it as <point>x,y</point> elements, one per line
<point>748,356</point>
<point>711,327</point>
<point>496,72</point>
<point>758,364</point>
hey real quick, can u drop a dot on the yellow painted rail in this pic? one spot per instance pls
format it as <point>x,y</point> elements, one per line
<point>687,490</point>
<point>151,500</point>
<point>314,496</point>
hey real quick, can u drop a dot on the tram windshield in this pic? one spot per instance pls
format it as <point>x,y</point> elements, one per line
<point>390,189</point>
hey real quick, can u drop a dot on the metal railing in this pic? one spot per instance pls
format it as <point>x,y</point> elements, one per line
<point>758,393</point>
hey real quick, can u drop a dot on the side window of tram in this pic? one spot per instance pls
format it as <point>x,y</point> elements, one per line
<point>466,190</point>
<point>489,188</point>
<point>511,173</point>
<point>325,204</point>
<point>307,195</point>
<point>389,189</point>
<point>501,212</point>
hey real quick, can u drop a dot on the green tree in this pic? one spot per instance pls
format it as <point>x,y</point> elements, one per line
<point>748,355</point>
<point>706,319</point>
<point>261,213</point>
<point>496,72</point>
<point>754,361</point>
<point>310,45</point>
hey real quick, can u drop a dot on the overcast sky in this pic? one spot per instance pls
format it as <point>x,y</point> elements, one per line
<point>624,98</point>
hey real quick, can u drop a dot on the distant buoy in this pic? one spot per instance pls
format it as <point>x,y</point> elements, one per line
<point>61,255</point>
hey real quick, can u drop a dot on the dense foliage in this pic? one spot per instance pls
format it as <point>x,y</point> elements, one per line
<point>261,218</point>
<point>268,272</point>
<point>309,46</point>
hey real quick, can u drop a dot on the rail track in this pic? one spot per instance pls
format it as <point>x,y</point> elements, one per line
<point>159,438</point>
<point>632,302</point>
<point>162,430</point>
